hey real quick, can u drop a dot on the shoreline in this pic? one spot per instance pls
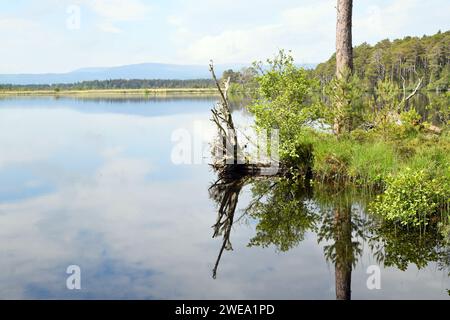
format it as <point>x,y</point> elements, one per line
<point>112,92</point>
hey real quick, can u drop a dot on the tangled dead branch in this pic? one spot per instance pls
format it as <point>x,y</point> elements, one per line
<point>226,147</point>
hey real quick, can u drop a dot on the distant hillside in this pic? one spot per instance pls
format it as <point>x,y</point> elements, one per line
<point>411,58</point>
<point>134,71</point>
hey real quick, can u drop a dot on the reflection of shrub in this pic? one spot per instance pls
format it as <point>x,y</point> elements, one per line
<point>413,198</point>
<point>399,247</point>
<point>444,228</point>
<point>283,218</point>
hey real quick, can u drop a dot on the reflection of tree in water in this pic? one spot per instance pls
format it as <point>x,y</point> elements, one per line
<point>226,194</point>
<point>283,217</point>
<point>285,210</point>
<point>398,247</point>
<point>342,228</point>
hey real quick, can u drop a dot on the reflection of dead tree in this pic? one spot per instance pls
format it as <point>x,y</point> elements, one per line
<point>226,193</point>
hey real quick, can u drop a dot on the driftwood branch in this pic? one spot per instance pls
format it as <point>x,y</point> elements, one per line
<point>412,94</point>
<point>415,90</point>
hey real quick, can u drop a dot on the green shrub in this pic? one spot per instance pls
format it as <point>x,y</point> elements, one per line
<point>282,102</point>
<point>413,198</point>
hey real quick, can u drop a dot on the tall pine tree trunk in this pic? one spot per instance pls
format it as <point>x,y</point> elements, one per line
<point>344,55</point>
<point>344,50</point>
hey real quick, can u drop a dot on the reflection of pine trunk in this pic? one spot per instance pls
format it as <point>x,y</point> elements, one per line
<point>343,242</point>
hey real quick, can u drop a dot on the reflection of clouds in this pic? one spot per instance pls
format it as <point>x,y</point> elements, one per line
<point>135,232</point>
<point>427,283</point>
<point>137,238</point>
<point>31,135</point>
<point>156,244</point>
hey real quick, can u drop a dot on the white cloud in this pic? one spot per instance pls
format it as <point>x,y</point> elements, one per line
<point>109,27</point>
<point>117,10</point>
<point>379,22</point>
<point>16,23</point>
<point>306,30</point>
<point>113,11</point>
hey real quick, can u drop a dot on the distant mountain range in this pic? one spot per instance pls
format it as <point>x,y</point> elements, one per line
<point>133,71</point>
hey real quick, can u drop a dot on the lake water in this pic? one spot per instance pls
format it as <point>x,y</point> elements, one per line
<point>92,183</point>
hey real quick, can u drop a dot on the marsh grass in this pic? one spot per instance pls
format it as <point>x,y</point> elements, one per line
<point>411,174</point>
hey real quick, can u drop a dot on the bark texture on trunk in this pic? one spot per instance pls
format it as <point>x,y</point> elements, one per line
<point>344,50</point>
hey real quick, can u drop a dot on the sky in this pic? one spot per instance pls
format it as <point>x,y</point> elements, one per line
<point>64,35</point>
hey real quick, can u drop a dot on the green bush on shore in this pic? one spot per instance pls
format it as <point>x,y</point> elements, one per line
<point>413,198</point>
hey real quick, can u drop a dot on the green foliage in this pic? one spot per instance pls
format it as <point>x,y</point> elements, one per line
<point>345,110</point>
<point>444,228</point>
<point>406,59</point>
<point>242,82</point>
<point>386,93</point>
<point>439,108</point>
<point>372,162</point>
<point>284,81</point>
<point>282,100</point>
<point>412,198</point>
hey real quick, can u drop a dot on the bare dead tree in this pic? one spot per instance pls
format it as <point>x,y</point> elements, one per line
<point>227,135</point>
<point>412,94</point>
<point>228,155</point>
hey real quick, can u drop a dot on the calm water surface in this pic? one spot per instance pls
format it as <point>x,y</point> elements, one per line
<point>92,183</point>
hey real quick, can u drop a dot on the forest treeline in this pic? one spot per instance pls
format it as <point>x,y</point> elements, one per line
<point>116,84</point>
<point>402,61</point>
